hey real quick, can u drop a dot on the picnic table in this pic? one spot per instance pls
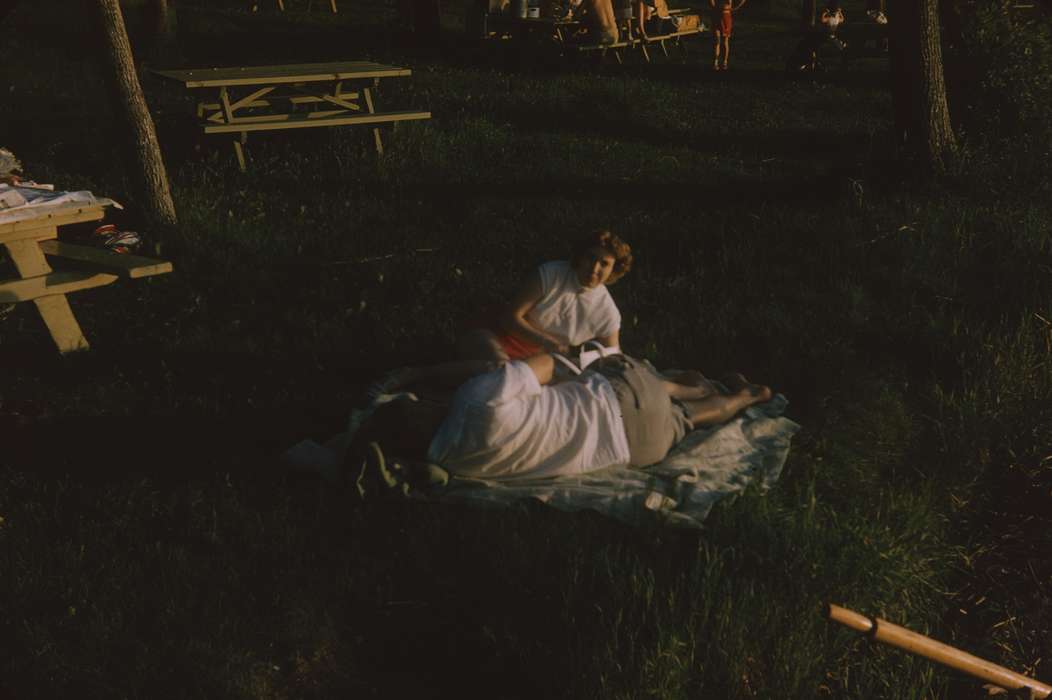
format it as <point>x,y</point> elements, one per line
<point>281,5</point>
<point>563,32</point>
<point>31,233</point>
<point>268,98</point>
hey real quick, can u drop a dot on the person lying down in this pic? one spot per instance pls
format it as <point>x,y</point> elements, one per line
<point>514,422</point>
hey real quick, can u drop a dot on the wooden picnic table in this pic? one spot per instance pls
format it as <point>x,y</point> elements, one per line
<point>30,233</point>
<point>558,29</point>
<point>268,98</point>
<point>281,5</point>
<point>562,32</point>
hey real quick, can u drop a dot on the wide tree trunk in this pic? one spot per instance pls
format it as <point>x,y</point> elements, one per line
<point>922,114</point>
<point>143,154</point>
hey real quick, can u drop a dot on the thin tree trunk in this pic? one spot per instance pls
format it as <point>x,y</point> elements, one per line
<point>922,114</point>
<point>162,24</point>
<point>809,12</point>
<point>145,166</point>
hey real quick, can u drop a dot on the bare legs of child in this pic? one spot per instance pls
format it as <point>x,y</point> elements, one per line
<point>720,41</point>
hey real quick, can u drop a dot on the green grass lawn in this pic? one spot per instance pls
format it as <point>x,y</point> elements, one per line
<point>151,546</point>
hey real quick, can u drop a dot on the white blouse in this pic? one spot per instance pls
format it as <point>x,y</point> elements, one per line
<point>568,310</point>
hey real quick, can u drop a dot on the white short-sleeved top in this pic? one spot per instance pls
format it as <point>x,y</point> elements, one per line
<point>504,425</point>
<point>568,310</point>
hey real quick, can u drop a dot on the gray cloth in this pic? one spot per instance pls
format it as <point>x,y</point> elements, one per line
<point>653,422</point>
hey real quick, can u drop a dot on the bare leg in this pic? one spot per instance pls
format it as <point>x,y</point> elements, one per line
<point>716,38</point>
<point>718,408</point>
<point>690,392</point>
<point>687,377</point>
<point>726,50</point>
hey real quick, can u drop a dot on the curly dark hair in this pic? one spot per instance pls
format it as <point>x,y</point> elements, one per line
<point>609,242</point>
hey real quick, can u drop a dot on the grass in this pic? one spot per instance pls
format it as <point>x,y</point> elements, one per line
<point>151,546</point>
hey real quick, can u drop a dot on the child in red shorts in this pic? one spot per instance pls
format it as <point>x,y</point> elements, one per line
<point>722,26</point>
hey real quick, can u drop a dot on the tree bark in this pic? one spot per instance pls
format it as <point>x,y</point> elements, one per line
<point>809,12</point>
<point>922,114</point>
<point>162,22</point>
<point>145,165</point>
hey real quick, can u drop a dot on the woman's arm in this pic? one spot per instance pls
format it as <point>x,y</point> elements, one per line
<point>514,316</point>
<point>611,341</point>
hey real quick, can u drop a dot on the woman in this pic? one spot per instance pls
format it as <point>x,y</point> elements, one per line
<point>561,304</point>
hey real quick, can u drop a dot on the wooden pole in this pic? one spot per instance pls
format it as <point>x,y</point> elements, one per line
<point>893,635</point>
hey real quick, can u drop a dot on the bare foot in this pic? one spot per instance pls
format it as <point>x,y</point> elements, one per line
<point>738,384</point>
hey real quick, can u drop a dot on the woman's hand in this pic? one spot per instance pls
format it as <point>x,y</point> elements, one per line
<point>556,345</point>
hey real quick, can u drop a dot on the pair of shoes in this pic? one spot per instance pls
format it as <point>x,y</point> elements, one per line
<point>117,241</point>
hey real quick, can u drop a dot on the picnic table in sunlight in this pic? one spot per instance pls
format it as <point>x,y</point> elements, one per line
<point>295,96</point>
<point>30,235</point>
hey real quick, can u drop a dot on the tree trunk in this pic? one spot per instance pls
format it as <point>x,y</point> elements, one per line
<point>922,115</point>
<point>162,24</point>
<point>145,166</point>
<point>809,12</point>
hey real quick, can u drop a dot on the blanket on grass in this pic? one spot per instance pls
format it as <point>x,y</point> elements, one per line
<point>708,465</point>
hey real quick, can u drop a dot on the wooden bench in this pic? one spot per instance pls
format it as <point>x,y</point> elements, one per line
<point>271,98</point>
<point>33,235</point>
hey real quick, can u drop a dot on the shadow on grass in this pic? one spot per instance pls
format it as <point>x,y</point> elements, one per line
<point>822,188</point>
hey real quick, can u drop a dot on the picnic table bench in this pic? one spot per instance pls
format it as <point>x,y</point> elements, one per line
<point>30,238</point>
<point>269,98</point>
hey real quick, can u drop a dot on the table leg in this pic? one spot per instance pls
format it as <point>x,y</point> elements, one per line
<point>55,310</point>
<point>376,131</point>
<point>228,112</point>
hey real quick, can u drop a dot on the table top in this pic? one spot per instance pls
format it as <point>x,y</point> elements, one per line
<point>27,222</point>
<point>534,21</point>
<point>276,75</point>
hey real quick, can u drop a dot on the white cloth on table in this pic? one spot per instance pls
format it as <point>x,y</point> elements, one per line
<point>570,311</point>
<point>39,201</point>
<point>504,426</point>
